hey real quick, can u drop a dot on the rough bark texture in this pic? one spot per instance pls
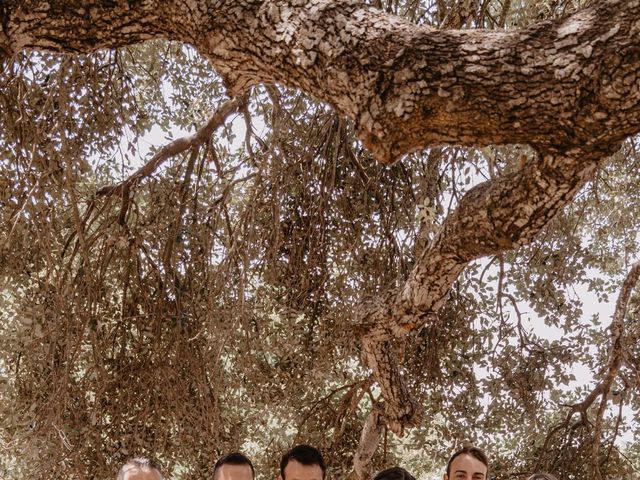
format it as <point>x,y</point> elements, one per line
<point>557,86</point>
<point>570,89</point>
<point>368,443</point>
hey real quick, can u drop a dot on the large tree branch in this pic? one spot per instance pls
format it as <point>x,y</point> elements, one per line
<point>493,217</point>
<point>556,86</point>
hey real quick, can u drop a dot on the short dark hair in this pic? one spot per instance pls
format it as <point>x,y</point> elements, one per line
<point>394,473</point>
<point>472,451</point>
<point>235,458</point>
<point>140,463</point>
<point>306,455</point>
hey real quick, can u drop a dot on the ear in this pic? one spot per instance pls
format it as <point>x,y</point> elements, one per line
<point>445,477</point>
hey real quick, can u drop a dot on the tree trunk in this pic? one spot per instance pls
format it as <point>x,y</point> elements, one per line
<point>570,89</point>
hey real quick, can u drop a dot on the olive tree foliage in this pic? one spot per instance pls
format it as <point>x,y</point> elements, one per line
<point>259,277</point>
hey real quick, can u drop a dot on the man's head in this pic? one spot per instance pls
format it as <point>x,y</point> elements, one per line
<point>140,468</point>
<point>234,466</point>
<point>394,473</point>
<point>302,462</point>
<point>468,463</point>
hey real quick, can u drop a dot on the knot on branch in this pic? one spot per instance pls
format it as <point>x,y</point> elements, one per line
<point>400,417</point>
<point>376,310</point>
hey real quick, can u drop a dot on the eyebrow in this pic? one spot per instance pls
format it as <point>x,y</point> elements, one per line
<point>474,474</point>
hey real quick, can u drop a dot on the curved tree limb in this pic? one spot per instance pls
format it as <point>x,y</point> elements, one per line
<point>556,85</point>
<point>493,217</point>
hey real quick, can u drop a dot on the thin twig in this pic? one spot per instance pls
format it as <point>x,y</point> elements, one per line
<point>175,148</point>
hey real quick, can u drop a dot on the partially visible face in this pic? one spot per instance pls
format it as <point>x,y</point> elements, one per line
<point>297,471</point>
<point>135,473</point>
<point>234,472</point>
<point>467,467</point>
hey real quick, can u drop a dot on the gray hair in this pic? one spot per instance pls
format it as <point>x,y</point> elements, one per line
<point>138,463</point>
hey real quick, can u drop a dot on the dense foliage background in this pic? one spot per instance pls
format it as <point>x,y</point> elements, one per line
<point>211,306</point>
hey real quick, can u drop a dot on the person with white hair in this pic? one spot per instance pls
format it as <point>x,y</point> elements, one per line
<point>140,468</point>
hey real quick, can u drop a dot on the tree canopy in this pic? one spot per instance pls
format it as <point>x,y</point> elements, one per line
<point>379,228</point>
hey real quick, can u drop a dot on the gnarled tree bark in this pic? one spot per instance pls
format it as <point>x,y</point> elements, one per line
<point>556,85</point>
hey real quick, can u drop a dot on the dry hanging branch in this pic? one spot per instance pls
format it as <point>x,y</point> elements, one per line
<point>174,148</point>
<point>608,374</point>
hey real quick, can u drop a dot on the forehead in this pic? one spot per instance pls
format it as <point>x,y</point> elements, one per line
<point>230,471</point>
<point>297,471</point>
<point>469,464</point>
